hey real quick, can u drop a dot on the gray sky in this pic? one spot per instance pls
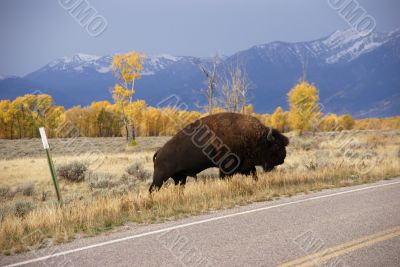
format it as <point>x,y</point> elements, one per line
<point>36,32</point>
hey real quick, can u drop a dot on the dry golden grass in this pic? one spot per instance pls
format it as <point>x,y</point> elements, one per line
<point>325,160</point>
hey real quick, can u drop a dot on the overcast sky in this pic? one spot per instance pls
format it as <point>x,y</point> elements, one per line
<point>35,32</point>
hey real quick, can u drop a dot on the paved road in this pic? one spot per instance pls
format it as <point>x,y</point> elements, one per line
<point>354,226</point>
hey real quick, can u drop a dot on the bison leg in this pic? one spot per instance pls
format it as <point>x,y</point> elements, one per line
<point>158,180</point>
<point>179,179</point>
<point>253,172</point>
<point>250,171</point>
<point>222,175</point>
<point>156,185</point>
<point>183,181</point>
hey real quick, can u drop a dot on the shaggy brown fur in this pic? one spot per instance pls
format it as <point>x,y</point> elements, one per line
<point>198,146</point>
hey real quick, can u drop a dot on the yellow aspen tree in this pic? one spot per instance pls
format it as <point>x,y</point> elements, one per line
<point>278,119</point>
<point>346,122</point>
<point>101,118</point>
<point>304,113</point>
<point>54,117</point>
<point>134,111</point>
<point>127,68</point>
<point>121,97</point>
<point>329,123</point>
<point>5,119</point>
<point>248,109</point>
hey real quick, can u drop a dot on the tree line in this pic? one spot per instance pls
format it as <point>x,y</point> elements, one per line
<point>21,118</point>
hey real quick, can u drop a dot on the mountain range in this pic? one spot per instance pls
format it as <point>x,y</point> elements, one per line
<point>354,73</point>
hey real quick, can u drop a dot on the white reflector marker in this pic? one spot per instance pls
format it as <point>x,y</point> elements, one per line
<point>50,162</point>
<point>44,138</point>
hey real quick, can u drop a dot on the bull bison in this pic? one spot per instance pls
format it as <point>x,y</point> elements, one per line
<point>235,143</point>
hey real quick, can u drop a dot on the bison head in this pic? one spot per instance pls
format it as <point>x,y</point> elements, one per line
<point>276,149</point>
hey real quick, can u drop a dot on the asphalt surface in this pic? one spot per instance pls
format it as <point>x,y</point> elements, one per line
<point>352,226</point>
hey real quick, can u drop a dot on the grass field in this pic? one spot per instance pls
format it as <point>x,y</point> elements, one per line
<point>114,187</point>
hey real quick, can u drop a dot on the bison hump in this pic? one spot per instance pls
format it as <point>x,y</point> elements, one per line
<point>240,133</point>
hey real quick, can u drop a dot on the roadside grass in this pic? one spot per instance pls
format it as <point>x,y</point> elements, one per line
<point>313,163</point>
<point>102,213</point>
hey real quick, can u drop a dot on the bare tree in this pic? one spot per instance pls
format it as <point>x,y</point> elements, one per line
<point>303,61</point>
<point>234,89</point>
<point>212,78</point>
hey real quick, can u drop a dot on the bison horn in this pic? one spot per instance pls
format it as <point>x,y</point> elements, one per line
<point>269,136</point>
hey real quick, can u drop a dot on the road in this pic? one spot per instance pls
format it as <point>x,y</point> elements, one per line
<point>353,226</point>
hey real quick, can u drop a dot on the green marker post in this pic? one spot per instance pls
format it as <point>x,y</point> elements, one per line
<point>50,162</point>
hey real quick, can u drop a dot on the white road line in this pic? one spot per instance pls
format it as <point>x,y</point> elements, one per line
<point>195,223</point>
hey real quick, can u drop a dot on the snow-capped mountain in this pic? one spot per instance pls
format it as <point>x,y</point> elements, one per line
<point>341,46</point>
<point>347,45</point>
<point>102,64</point>
<point>3,77</point>
<point>79,63</point>
<point>82,78</point>
<point>354,73</point>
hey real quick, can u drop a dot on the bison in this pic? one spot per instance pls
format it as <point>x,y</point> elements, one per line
<point>235,143</point>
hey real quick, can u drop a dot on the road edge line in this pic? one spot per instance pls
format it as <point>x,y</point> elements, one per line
<point>196,223</point>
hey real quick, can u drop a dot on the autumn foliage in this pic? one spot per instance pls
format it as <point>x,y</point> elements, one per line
<point>22,117</point>
<point>304,111</point>
<point>127,68</point>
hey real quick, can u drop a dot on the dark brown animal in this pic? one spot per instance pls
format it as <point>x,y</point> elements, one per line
<point>235,143</point>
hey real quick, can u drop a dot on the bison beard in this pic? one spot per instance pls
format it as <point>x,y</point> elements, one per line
<point>235,143</point>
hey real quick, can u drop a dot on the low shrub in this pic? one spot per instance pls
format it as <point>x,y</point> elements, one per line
<point>23,207</point>
<point>136,170</point>
<point>120,189</point>
<point>27,189</point>
<point>74,171</point>
<point>6,211</point>
<point>128,181</point>
<point>4,191</point>
<point>99,180</point>
<point>309,145</point>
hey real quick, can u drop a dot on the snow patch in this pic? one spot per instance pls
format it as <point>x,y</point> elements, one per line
<point>169,57</point>
<point>85,57</point>
<point>79,68</point>
<point>104,69</point>
<point>3,77</point>
<point>350,44</point>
